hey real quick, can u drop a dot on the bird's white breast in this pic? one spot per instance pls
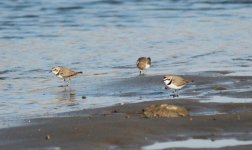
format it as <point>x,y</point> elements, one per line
<point>166,82</point>
<point>147,66</point>
<point>60,76</point>
<point>173,86</point>
<point>54,72</point>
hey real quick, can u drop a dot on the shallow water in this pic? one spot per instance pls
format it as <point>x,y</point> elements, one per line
<point>104,38</point>
<point>197,143</point>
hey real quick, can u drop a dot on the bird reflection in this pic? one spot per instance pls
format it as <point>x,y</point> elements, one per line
<point>67,96</point>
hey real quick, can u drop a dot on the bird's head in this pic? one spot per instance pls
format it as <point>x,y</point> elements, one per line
<point>167,80</point>
<point>55,70</point>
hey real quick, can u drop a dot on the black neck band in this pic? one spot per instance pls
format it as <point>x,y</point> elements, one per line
<point>169,82</point>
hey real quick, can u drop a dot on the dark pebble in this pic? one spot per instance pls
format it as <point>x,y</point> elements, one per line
<point>48,137</point>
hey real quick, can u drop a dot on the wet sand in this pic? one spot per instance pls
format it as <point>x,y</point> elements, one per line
<point>124,127</point>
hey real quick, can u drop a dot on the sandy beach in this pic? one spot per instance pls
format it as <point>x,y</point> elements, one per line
<point>124,126</point>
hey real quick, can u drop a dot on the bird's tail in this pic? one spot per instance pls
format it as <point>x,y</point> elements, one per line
<point>190,81</point>
<point>76,73</point>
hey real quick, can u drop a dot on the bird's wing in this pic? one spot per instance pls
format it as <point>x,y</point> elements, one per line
<point>141,65</point>
<point>179,80</point>
<point>67,72</point>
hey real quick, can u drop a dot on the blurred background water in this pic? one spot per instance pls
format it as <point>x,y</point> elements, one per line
<point>104,38</point>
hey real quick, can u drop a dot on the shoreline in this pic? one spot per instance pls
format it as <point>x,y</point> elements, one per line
<point>124,127</point>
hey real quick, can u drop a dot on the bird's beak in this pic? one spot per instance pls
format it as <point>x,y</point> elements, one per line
<point>50,71</point>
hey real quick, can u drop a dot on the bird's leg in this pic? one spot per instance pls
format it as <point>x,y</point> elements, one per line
<point>174,93</point>
<point>65,82</point>
<point>68,82</point>
<point>141,73</point>
<point>64,85</point>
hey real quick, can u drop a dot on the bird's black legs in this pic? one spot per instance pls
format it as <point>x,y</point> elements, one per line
<point>175,93</point>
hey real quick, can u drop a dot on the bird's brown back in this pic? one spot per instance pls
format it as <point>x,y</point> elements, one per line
<point>142,62</point>
<point>67,73</point>
<point>179,81</point>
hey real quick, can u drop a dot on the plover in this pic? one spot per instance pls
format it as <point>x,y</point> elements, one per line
<point>176,83</point>
<point>64,73</point>
<point>143,63</point>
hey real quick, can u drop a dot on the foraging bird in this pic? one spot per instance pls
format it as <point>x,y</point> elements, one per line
<point>64,73</point>
<point>143,63</point>
<point>175,82</point>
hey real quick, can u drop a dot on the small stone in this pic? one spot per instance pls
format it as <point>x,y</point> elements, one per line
<point>83,97</point>
<point>212,139</point>
<point>219,88</point>
<point>115,111</point>
<point>48,137</point>
<point>127,116</point>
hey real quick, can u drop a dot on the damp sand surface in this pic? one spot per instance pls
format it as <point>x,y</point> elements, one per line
<point>123,126</point>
